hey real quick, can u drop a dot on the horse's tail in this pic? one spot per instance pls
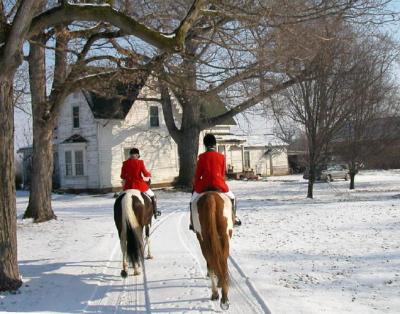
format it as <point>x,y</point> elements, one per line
<point>215,236</point>
<point>131,231</point>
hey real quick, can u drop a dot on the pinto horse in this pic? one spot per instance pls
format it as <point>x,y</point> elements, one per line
<point>133,212</point>
<point>213,224</point>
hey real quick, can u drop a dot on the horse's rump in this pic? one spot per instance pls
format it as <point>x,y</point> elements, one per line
<point>126,207</point>
<point>215,218</point>
<point>132,213</point>
<point>224,206</point>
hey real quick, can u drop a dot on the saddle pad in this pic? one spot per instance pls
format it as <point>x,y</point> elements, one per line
<point>227,212</point>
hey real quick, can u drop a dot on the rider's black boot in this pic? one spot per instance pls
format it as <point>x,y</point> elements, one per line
<point>191,221</point>
<point>156,212</point>
<point>236,220</point>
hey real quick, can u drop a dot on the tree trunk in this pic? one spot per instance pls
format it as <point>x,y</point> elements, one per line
<point>352,176</point>
<point>9,273</point>
<point>188,148</point>
<point>39,207</point>
<point>311,180</point>
<point>310,188</point>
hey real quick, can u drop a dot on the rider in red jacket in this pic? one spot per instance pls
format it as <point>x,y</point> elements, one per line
<point>134,175</point>
<point>210,173</point>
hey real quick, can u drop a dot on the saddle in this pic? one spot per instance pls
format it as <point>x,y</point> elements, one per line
<point>145,196</point>
<point>153,203</point>
<point>212,189</point>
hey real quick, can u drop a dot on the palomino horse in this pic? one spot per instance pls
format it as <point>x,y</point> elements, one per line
<point>133,211</point>
<point>213,224</point>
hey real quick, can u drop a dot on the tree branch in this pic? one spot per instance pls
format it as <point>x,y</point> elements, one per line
<point>210,122</point>
<point>69,12</point>
<point>10,53</point>
<point>167,111</point>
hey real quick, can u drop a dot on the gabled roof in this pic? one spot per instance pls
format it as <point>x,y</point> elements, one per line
<point>76,138</point>
<point>116,103</point>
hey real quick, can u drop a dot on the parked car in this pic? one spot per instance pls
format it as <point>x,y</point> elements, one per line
<point>318,172</point>
<point>333,172</point>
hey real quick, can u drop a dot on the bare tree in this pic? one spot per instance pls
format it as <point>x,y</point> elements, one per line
<point>70,75</point>
<point>242,53</point>
<point>321,104</point>
<point>16,26</point>
<point>369,126</point>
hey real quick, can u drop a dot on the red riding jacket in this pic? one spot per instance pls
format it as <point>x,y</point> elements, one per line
<point>132,172</point>
<point>210,172</point>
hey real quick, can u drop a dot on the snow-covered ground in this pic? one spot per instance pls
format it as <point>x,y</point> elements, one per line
<point>337,253</point>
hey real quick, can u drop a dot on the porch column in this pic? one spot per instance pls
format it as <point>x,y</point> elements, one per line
<point>242,158</point>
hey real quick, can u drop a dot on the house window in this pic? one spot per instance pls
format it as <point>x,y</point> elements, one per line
<point>75,117</point>
<point>79,163</point>
<point>74,164</point>
<point>68,163</point>
<point>247,160</point>
<point>154,118</point>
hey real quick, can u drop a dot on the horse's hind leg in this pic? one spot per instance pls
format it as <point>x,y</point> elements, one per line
<point>224,298</point>
<point>124,271</point>
<point>147,233</point>
<point>214,289</point>
<point>136,269</point>
<point>136,266</point>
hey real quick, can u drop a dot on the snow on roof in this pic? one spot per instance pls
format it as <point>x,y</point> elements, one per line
<point>230,138</point>
<point>263,140</point>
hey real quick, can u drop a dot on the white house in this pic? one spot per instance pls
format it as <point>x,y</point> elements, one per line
<point>94,135</point>
<point>263,155</point>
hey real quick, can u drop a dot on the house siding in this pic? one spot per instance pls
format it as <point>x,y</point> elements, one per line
<point>88,130</point>
<point>260,162</point>
<point>157,149</point>
<point>108,140</point>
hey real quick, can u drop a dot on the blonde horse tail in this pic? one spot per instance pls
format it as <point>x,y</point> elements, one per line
<point>130,226</point>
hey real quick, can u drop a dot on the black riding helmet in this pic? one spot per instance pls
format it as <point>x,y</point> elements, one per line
<point>134,151</point>
<point>209,140</point>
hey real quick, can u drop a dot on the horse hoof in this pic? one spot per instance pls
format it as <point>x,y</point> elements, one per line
<point>149,257</point>
<point>136,273</point>
<point>124,273</point>
<point>214,297</point>
<point>224,305</point>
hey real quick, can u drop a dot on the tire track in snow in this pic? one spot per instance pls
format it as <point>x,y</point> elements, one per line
<point>194,255</point>
<point>93,304</point>
<point>133,293</point>
<point>259,302</point>
<point>243,296</point>
<point>105,298</point>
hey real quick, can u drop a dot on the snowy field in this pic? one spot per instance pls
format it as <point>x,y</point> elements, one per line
<point>337,253</point>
